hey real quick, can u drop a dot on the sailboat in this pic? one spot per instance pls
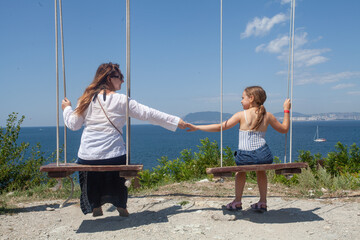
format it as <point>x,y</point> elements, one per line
<point>316,137</point>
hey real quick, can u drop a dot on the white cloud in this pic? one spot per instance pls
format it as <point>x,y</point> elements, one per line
<point>300,40</point>
<point>285,1</point>
<point>260,48</point>
<point>282,72</point>
<point>275,46</point>
<point>260,27</point>
<point>309,57</point>
<point>343,85</point>
<point>308,78</point>
<point>354,93</point>
<point>303,57</point>
<point>281,44</point>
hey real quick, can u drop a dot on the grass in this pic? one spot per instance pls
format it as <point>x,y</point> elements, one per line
<point>307,185</point>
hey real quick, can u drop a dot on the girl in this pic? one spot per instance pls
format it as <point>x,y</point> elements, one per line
<point>102,111</point>
<point>253,149</point>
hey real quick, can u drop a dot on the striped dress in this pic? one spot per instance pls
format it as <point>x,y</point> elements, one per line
<point>250,140</point>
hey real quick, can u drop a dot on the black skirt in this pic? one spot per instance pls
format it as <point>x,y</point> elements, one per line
<point>98,188</point>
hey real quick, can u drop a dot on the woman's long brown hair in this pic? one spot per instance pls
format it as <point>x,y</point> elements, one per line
<point>101,82</point>
<point>259,95</point>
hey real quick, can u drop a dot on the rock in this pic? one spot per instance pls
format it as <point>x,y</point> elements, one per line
<point>220,180</point>
<point>50,209</point>
<point>220,217</point>
<point>204,180</point>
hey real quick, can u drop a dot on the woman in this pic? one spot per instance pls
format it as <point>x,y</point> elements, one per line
<point>102,111</point>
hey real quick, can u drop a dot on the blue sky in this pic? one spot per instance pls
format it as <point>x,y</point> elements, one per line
<point>175,53</point>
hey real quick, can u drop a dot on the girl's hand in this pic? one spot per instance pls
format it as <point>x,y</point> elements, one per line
<point>191,127</point>
<point>65,102</point>
<point>287,104</point>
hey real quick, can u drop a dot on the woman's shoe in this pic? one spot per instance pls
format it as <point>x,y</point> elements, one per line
<point>97,212</point>
<point>233,206</point>
<point>259,207</point>
<point>123,212</point>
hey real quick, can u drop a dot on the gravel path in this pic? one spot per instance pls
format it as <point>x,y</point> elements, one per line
<point>182,216</point>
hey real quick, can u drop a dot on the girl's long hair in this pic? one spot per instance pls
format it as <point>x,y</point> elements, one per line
<point>259,95</point>
<point>102,81</point>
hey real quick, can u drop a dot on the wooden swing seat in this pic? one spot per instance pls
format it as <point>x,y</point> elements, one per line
<point>66,169</point>
<point>280,168</point>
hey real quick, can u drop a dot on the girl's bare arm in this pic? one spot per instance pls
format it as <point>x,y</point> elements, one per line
<point>284,126</point>
<point>235,119</point>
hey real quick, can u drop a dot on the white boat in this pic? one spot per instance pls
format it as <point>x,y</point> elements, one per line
<point>316,137</point>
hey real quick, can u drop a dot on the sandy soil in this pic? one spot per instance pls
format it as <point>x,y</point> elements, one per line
<point>190,211</point>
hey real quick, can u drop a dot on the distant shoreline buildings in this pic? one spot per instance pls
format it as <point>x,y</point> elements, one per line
<point>323,116</point>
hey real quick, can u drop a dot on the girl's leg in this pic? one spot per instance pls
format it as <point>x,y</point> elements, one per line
<point>240,179</point>
<point>262,184</point>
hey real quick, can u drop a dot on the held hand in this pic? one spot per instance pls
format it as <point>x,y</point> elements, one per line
<point>191,127</point>
<point>65,102</point>
<point>182,124</point>
<point>287,104</point>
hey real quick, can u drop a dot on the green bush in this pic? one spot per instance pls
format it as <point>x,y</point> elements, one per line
<point>311,160</point>
<point>343,160</point>
<point>188,166</point>
<point>16,171</point>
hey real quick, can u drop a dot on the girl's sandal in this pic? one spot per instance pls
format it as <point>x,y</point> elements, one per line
<point>232,206</point>
<point>259,207</point>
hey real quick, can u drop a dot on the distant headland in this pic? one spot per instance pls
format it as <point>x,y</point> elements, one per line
<point>214,117</point>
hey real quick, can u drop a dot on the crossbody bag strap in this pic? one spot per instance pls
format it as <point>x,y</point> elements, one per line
<point>107,116</point>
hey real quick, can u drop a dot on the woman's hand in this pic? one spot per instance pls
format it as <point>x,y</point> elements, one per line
<point>182,124</point>
<point>65,102</point>
<point>287,104</point>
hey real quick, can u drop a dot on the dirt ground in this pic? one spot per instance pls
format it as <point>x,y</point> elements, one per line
<point>191,211</point>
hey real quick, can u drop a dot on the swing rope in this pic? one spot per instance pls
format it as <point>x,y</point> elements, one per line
<point>221,85</point>
<point>57,79</point>
<point>64,80</point>
<point>63,70</point>
<point>292,76</point>
<point>127,81</point>
<point>290,80</point>
<point>57,85</point>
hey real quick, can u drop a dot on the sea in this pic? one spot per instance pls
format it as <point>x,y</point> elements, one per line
<point>149,143</point>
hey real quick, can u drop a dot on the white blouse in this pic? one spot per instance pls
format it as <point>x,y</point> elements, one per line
<point>100,140</point>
